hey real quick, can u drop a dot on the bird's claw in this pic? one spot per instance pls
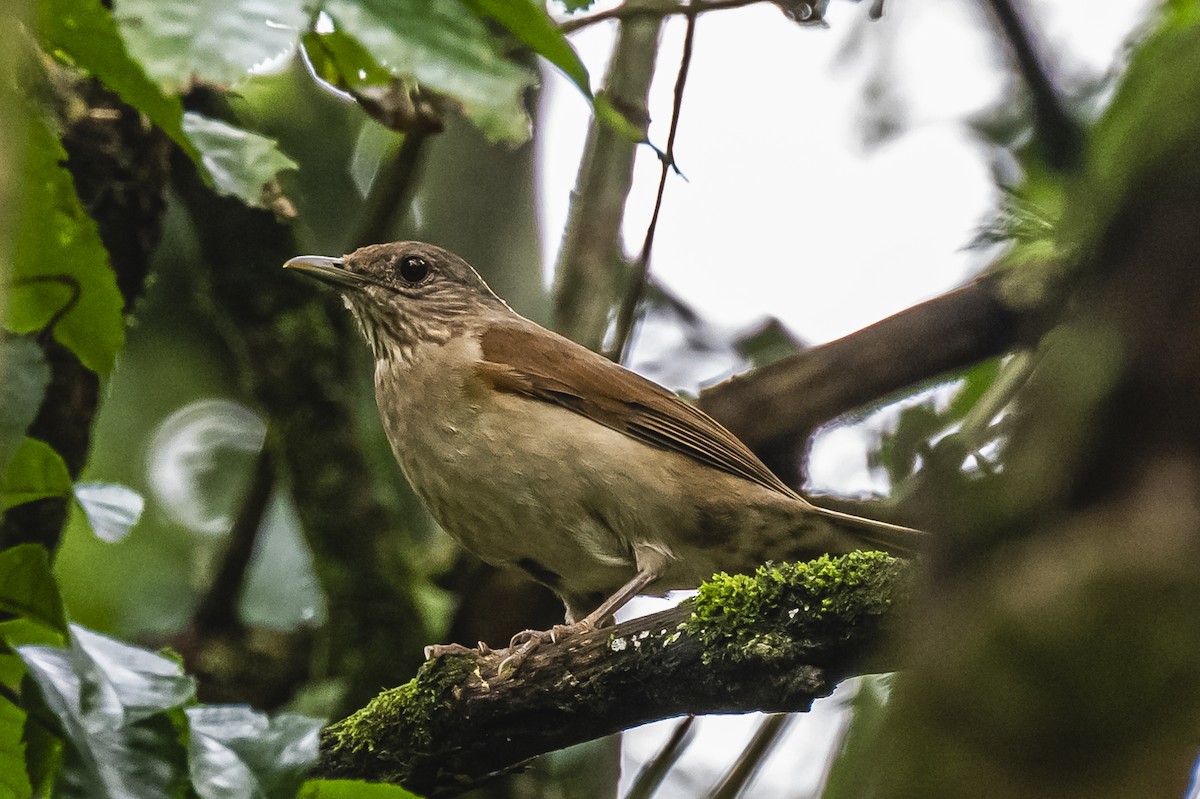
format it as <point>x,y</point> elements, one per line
<point>437,650</point>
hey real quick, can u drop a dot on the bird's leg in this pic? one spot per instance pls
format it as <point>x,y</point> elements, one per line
<point>651,562</point>
<point>618,600</point>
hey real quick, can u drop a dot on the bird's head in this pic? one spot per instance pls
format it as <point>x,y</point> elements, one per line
<point>406,293</point>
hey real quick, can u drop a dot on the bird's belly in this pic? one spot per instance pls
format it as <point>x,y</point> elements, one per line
<point>535,486</point>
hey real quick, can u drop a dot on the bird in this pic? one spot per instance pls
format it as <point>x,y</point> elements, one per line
<point>536,453</point>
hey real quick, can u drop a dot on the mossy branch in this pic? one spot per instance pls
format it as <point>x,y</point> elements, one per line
<point>773,641</point>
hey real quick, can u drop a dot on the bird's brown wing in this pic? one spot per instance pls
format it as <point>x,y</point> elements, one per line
<point>524,359</point>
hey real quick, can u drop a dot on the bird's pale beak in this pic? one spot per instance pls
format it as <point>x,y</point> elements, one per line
<point>327,270</point>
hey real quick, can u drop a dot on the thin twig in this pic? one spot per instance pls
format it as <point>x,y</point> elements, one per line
<point>1058,132</point>
<point>753,756</point>
<point>666,9</point>
<point>390,192</point>
<point>651,775</point>
<point>641,268</point>
<point>217,611</point>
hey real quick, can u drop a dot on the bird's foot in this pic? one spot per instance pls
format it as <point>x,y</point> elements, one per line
<point>525,643</point>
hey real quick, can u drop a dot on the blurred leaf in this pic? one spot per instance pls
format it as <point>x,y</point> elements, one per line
<point>528,21</point>
<point>607,113</point>
<point>855,766</point>
<point>25,376</point>
<point>1181,13</point>
<point>27,587</point>
<point>976,381</point>
<point>84,31</point>
<point>43,749</point>
<point>24,630</point>
<point>571,6</point>
<point>352,789</point>
<point>125,682</point>
<point>1148,134</point>
<point>36,471</point>
<point>14,781</point>
<point>1028,214</point>
<point>109,698</point>
<point>769,343</point>
<point>435,44</point>
<point>60,271</point>
<point>111,510</point>
<point>341,61</point>
<point>11,668</point>
<point>900,449</point>
<point>241,163</point>
<point>215,41</point>
<point>236,752</point>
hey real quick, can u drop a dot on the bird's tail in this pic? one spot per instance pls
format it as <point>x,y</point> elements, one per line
<point>894,539</point>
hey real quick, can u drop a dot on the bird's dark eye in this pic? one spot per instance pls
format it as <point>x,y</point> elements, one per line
<point>414,268</point>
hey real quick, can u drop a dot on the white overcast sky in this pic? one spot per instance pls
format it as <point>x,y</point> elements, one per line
<point>784,211</point>
<point>786,214</point>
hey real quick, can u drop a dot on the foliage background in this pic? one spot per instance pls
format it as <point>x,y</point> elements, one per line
<point>264,166</point>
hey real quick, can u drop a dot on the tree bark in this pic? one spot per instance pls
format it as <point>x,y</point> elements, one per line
<point>775,642</point>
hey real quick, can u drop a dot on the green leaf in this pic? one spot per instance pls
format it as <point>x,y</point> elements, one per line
<point>340,60</point>
<point>531,25</point>
<point>111,509</point>
<point>241,163</point>
<point>22,384</point>
<point>24,630</point>
<point>60,270</point>
<point>855,767</point>
<point>110,699</point>
<point>976,382</point>
<point>571,6</point>
<point>353,789</point>
<point>14,780</point>
<point>27,587</point>
<point>237,751</point>
<point>1146,140</point>
<point>433,43</point>
<point>528,21</point>
<point>43,749</point>
<point>900,449</point>
<point>35,472</point>
<point>215,41</point>
<point>768,344</point>
<point>84,31</point>
<point>607,113</point>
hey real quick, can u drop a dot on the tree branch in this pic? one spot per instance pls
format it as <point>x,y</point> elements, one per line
<point>636,283</point>
<point>775,641</point>
<point>785,401</point>
<point>657,10</point>
<point>591,264</point>
<point>1057,131</point>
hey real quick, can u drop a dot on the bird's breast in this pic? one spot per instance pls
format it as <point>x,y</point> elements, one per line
<point>514,480</point>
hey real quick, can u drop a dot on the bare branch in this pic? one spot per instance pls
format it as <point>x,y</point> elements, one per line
<point>787,400</point>
<point>1057,131</point>
<point>590,264</point>
<point>657,10</point>
<point>641,268</point>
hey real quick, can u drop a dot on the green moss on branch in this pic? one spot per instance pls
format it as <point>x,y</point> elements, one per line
<point>775,640</point>
<point>791,609</point>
